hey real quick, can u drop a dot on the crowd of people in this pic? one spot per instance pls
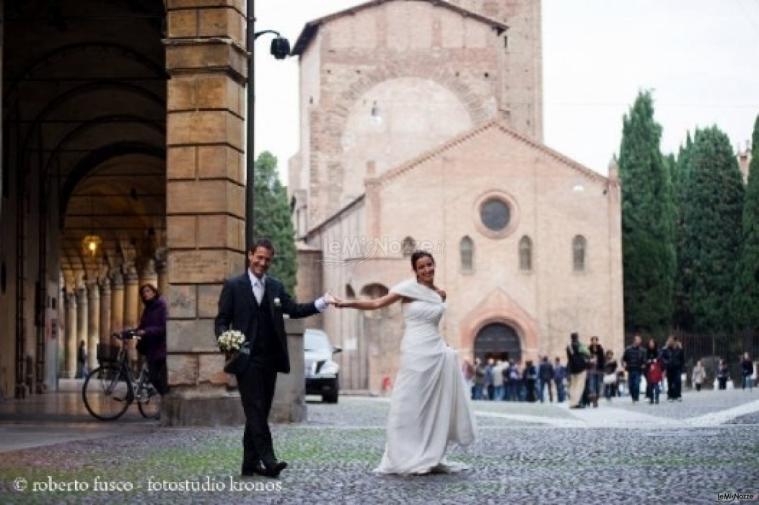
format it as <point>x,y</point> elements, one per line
<point>654,365</point>
<point>508,380</point>
<point>590,372</point>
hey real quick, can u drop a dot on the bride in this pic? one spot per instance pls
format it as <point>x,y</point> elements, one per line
<point>429,407</point>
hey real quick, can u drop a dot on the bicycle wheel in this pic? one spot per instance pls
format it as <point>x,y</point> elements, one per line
<point>106,393</point>
<point>148,401</point>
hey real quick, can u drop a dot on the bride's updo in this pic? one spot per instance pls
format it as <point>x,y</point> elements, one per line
<point>419,254</point>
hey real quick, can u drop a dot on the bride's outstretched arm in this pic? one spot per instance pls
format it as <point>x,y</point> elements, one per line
<point>376,303</point>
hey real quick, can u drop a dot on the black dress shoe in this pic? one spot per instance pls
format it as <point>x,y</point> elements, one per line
<point>272,470</point>
<point>248,471</point>
<point>249,467</point>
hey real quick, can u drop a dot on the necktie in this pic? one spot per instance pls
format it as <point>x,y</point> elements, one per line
<point>258,291</point>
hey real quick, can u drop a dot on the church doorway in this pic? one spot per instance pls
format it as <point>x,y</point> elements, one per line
<point>498,341</point>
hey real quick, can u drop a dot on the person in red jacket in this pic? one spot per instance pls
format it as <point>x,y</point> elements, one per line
<point>654,376</point>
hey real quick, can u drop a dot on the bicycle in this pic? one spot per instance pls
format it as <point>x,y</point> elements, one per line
<point>110,388</point>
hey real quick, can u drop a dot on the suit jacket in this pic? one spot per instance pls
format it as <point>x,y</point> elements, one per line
<point>238,310</point>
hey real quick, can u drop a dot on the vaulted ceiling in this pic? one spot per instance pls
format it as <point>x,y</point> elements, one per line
<point>84,113</point>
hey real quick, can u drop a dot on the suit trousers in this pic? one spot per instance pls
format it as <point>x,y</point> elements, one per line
<point>256,385</point>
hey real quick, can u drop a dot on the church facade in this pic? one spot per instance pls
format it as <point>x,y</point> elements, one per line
<point>421,127</point>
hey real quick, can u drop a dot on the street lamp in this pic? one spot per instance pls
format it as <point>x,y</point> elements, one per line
<point>280,46</point>
<point>280,49</point>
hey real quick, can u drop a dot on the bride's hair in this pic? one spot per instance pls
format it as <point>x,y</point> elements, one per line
<point>416,255</point>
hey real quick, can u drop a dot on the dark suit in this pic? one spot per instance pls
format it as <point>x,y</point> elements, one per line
<point>264,326</point>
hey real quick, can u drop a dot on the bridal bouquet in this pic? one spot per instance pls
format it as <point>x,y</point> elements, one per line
<point>230,341</point>
<point>233,344</point>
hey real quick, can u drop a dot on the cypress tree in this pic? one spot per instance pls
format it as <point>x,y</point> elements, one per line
<point>272,219</point>
<point>746,298</point>
<point>647,222</point>
<point>682,317</point>
<point>680,171</point>
<point>711,213</point>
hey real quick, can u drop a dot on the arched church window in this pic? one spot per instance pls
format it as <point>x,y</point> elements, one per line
<point>372,291</point>
<point>525,254</point>
<point>466,248</point>
<point>579,251</point>
<point>408,246</point>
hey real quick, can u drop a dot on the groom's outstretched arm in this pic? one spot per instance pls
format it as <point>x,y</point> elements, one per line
<point>299,310</point>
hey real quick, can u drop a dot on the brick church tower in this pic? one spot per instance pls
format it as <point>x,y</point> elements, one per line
<point>385,81</point>
<point>522,84</point>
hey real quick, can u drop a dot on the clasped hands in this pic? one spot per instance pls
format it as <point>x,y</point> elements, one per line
<point>333,300</point>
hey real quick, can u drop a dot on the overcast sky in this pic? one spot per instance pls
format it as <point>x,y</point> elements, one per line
<point>700,57</point>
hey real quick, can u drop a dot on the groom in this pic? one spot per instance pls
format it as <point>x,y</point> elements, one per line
<point>254,304</point>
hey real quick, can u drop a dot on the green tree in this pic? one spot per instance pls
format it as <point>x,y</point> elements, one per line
<point>746,296</point>
<point>647,221</point>
<point>711,226</point>
<point>682,316</point>
<point>272,219</point>
<point>680,172</point>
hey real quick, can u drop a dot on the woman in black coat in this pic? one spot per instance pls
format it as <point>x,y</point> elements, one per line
<point>152,332</point>
<point>530,376</point>
<point>747,370</point>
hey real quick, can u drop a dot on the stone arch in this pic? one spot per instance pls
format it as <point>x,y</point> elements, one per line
<point>371,291</point>
<point>60,53</point>
<point>331,124</point>
<point>350,293</point>
<point>498,339</point>
<point>99,156</point>
<point>97,122</point>
<point>78,92</point>
<point>499,307</point>
<point>527,339</point>
<point>395,70</point>
<point>380,335</point>
<point>403,112</point>
<point>374,290</point>
<point>121,212</point>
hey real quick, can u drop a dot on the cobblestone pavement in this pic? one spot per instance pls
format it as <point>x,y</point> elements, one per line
<point>524,454</point>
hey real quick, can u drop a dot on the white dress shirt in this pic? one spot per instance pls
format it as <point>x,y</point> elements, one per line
<point>259,285</point>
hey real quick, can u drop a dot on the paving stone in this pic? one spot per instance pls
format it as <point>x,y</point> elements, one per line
<point>332,455</point>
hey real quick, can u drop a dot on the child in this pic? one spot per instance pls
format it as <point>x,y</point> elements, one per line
<point>723,374</point>
<point>654,377</point>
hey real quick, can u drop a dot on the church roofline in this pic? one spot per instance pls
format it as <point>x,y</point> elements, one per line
<point>464,137</point>
<point>309,31</point>
<point>334,216</point>
<point>455,142</point>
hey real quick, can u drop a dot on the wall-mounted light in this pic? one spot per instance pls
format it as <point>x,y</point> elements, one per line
<point>280,47</point>
<point>92,245</point>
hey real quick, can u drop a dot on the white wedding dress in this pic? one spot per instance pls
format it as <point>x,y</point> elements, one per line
<point>429,408</point>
